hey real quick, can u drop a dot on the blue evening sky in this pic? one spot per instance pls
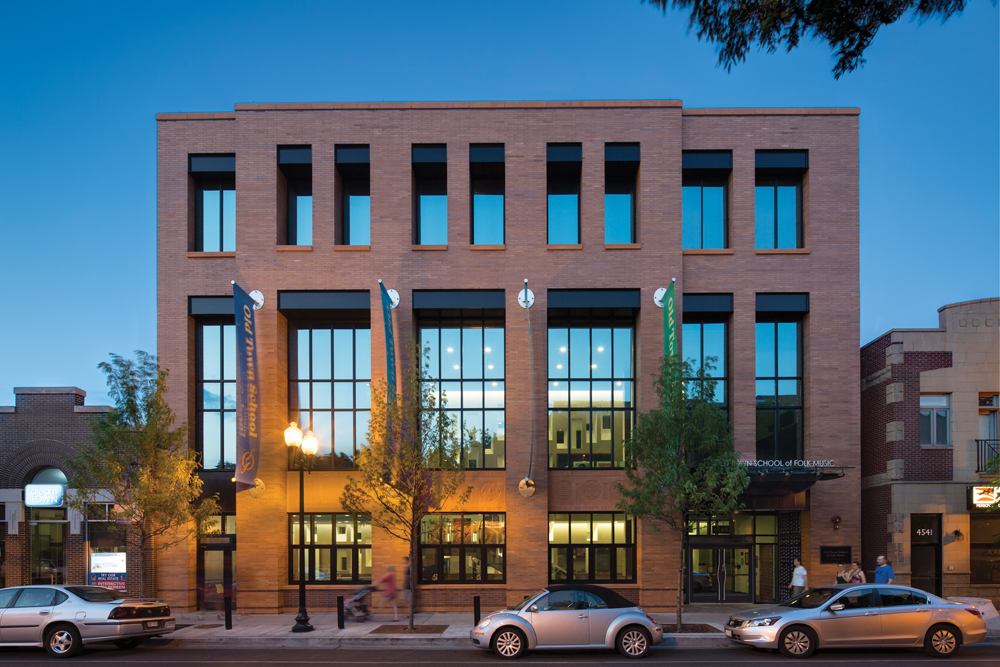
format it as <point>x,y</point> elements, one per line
<point>81,82</point>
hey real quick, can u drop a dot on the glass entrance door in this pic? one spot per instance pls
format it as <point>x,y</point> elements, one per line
<point>216,574</point>
<point>48,553</point>
<point>720,574</point>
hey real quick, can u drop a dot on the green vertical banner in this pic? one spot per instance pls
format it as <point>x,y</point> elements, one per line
<point>390,344</point>
<point>669,323</point>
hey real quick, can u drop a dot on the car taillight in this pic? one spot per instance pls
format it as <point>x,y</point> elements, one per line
<point>650,619</point>
<point>973,611</point>
<point>123,612</point>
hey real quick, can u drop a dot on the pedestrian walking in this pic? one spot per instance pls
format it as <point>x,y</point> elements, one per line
<point>884,573</point>
<point>842,577</point>
<point>407,586</point>
<point>388,587</point>
<point>857,574</point>
<point>799,575</point>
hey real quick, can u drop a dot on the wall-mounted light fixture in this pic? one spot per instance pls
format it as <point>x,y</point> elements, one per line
<point>836,521</point>
<point>957,534</point>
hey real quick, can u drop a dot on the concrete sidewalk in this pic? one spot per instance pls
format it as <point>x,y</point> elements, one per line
<point>274,630</point>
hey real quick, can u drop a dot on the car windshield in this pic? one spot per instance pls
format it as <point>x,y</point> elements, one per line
<point>95,593</point>
<point>524,602</point>
<point>814,597</point>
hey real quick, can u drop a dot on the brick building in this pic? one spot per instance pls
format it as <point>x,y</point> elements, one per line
<point>598,204</point>
<point>44,541</point>
<point>929,431</point>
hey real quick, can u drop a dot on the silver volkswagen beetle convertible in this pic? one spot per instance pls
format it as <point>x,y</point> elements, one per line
<point>569,616</point>
<point>859,616</point>
<point>64,618</point>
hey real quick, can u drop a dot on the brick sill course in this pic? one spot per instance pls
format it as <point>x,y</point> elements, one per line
<point>192,254</point>
<point>781,251</point>
<point>428,247</point>
<point>707,251</point>
<point>564,246</point>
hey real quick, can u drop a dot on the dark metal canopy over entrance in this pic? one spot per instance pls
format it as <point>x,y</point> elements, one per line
<point>785,480</point>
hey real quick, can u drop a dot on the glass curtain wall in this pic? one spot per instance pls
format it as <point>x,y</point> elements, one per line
<point>597,547</point>
<point>338,548</point>
<point>463,548</point>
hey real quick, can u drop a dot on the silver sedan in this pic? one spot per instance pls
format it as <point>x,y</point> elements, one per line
<point>859,615</point>
<point>569,616</point>
<point>64,618</point>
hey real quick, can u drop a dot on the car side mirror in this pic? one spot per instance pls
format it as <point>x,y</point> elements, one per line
<point>533,608</point>
<point>836,607</point>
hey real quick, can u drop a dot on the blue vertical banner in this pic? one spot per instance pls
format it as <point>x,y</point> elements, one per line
<point>390,343</point>
<point>247,390</point>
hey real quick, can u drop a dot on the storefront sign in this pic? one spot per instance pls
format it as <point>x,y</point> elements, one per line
<point>982,497</point>
<point>44,495</point>
<point>789,464</point>
<point>107,563</point>
<point>247,390</point>
<point>835,555</point>
<point>390,343</point>
<point>113,580</point>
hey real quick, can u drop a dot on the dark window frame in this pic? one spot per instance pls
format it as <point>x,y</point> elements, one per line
<point>356,548</point>
<point>218,184</point>
<point>621,177</point>
<point>763,179</point>
<point>353,166</point>
<point>487,178</point>
<point>200,410</point>
<point>701,178</point>
<point>776,408</point>
<point>700,320</point>
<point>630,544</point>
<point>463,549</point>
<point>566,177</point>
<point>430,178</point>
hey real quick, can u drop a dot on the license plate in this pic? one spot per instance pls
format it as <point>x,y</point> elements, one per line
<point>152,624</point>
<point>729,633</point>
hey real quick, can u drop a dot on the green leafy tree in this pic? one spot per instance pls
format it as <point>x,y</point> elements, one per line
<point>140,464</point>
<point>848,26</point>
<point>681,461</point>
<point>411,464</point>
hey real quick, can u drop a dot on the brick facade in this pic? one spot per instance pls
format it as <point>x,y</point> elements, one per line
<point>826,268</point>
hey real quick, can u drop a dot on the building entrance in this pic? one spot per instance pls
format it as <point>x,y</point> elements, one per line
<point>47,532</point>
<point>720,574</point>
<point>217,565</point>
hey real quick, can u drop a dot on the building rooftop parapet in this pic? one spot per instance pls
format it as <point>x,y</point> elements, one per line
<point>50,390</point>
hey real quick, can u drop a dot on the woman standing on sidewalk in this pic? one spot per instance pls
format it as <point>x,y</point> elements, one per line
<point>388,582</point>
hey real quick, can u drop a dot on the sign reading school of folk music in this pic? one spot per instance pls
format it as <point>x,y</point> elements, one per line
<point>247,390</point>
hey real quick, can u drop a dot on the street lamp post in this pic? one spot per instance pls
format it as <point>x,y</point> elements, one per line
<point>307,448</point>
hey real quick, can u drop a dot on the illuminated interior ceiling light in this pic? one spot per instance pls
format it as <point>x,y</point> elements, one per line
<point>555,384</point>
<point>494,384</point>
<point>593,365</point>
<point>562,349</point>
<point>486,349</point>
<point>600,349</point>
<point>450,349</point>
<point>559,366</point>
<point>456,367</point>
<point>491,368</point>
<point>619,383</point>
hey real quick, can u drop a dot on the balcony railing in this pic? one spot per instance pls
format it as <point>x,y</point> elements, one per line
<point>988,456</point>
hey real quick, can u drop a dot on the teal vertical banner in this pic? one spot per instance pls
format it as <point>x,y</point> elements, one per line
<point>247,390</point>
<point>669,323</point>
<point>390,344</point>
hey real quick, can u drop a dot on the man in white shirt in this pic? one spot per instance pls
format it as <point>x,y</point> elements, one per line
<point>799,575</point>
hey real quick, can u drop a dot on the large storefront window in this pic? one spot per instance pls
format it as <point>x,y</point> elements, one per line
<point>596,547</point>
<point>108,558</point>
<point>779,391</point>
<point>216,395</point>
<point>465,368</point>
<point>338,548</point>
<point>463,548</point>
<point>984,549</point>
<point>732,559</point>
<point>704,346</point>
<point>591,382</point>
<point>329,390</point>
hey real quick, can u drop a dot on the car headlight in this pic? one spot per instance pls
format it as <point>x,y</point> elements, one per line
<point>486,622</point>
<point>758,622</point>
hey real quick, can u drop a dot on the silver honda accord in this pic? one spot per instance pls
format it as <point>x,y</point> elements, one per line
<point>569,616</point>
<point>859,615</point>
<point>64,618</point>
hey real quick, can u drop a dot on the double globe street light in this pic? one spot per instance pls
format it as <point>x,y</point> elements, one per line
<point>307,448</point>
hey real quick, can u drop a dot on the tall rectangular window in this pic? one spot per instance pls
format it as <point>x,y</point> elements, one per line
<point>621,172</point>
<point>463,548</point>
<point>430,188</point>
<point>597,547</point>
<point>465,371</point>
<point>295,165</point>
<point>779,390</point>
<point>354,194</point>
<point>934,420</point>
<point>214,179</point>
<point>704,199</point>
<point>216,395</point>
<point>338,548</point>
<point>564,169</point>
<point>704,346</point>
<point>486,170</point>
<point>329,373</point>
<point>591,383</point>
<point>778,199</point>
<point>984,554</point>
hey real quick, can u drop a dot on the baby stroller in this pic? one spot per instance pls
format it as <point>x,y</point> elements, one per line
<point>356,609</point>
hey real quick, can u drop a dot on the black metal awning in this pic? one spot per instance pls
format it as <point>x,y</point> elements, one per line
<point>785,480</point>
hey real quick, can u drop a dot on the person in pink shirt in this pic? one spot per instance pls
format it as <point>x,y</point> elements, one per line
<point>388,582</point>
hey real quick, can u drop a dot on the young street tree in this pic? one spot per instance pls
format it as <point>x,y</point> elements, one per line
<point>681,461</point>
<point>411,465</point>
<point>848,26</point>
<point>140,465</point>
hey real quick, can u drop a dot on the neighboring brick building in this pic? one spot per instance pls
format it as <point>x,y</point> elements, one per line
<point>929,429</point>
<point>453,205</point>
<point>48,544</point>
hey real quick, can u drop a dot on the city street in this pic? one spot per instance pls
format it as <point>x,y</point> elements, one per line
<point>978,654</point>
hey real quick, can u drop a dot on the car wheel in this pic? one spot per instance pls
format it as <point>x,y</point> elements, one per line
<point>129,644</point>
<point>509,643</point>
<point>942,641</point>
<point>797,641</point>
<point>62,641</point>
<point>634,642</point>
